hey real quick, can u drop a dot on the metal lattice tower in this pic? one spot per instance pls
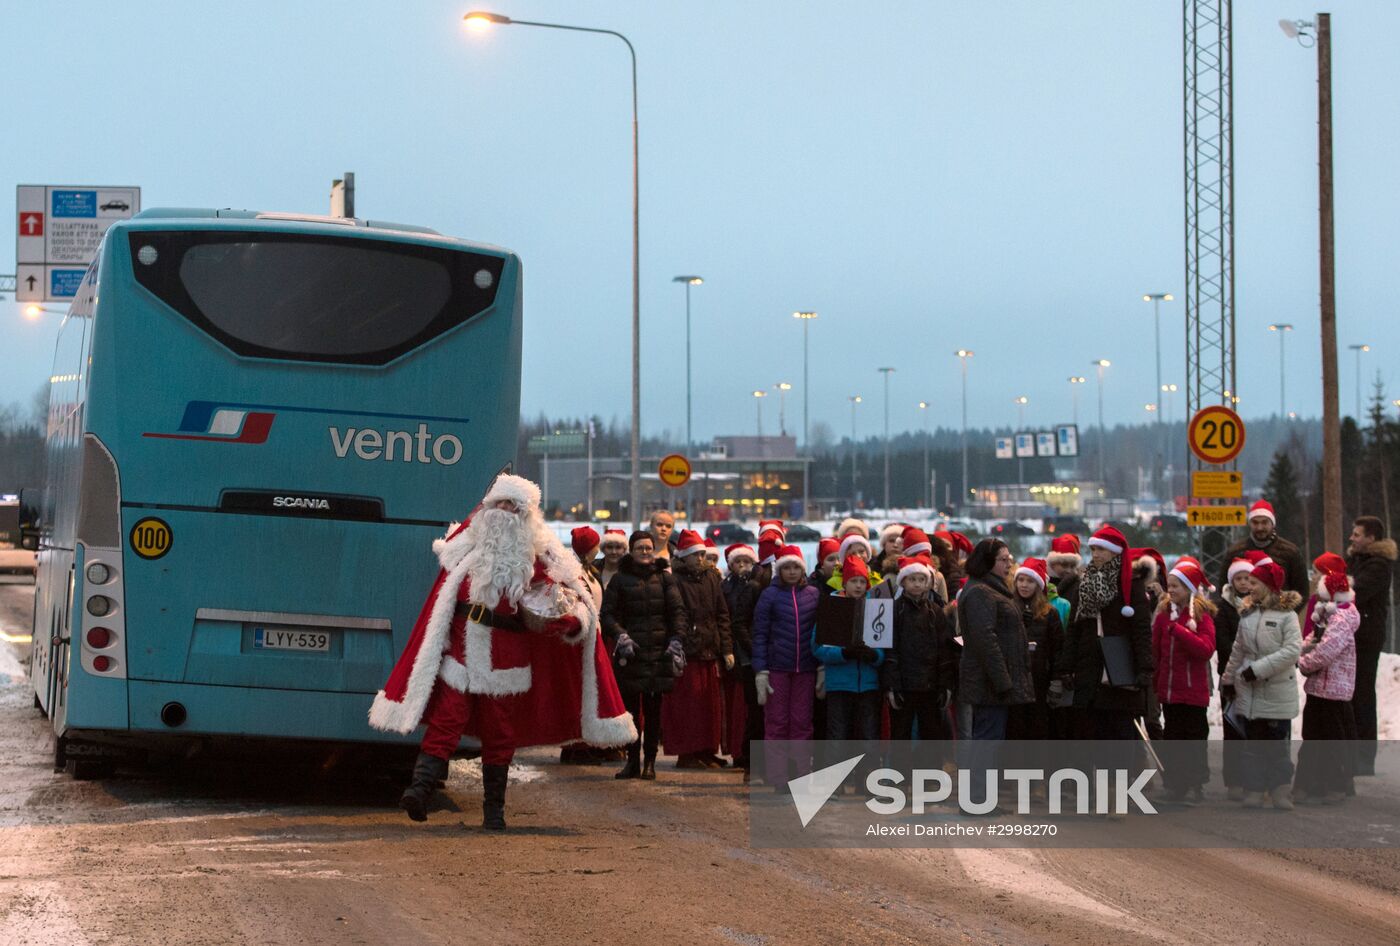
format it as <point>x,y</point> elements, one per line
<point>1207,88</point>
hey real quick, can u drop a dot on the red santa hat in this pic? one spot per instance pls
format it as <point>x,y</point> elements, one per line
<point>517,489</point>
<point>1270,574</point>
<point>827,547</point>
<point>1034,568</point>
<point>689,543</point>
<point>1189,573</point>
<point>739,548</point>
<point>617,536</point>
<point>585,542</point>
<point>853,540</point>
<point>1153,566</point>
<point>788,554</point>
<point>853,566</point>
<point>958,542</point>
<point>1265,509</point>
<point>1330,563</point>
<point>852,524</point>
<point>768,550</point>
<point>711,550</point>
<point>766,526</point>
<point>913,565</point>
<point>916,542</point>
<point>1336,588</point>
<point>1111,540</point>
<point>1064,551</point>
<point>1246,562</point>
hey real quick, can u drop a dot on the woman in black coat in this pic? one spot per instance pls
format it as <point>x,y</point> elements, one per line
<point>995,673</point>
<point>643,622</point>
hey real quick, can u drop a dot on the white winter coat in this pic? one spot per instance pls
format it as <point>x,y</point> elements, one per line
<point>1269,641</point>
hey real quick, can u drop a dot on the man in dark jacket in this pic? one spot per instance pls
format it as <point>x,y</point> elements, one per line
<point>692,715</point>
<point>1371,563</point>
<point>1264,537</point>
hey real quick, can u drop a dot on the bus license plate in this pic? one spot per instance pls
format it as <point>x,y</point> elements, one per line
<point>283,638</point>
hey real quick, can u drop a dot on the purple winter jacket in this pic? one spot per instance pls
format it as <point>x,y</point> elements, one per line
<point>783,621</point>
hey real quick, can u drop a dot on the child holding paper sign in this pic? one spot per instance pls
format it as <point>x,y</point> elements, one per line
<point>852,677</point>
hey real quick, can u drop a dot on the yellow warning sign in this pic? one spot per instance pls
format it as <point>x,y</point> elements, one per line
<point>1216,515</point>
<point>1217,484</point>
<point>674,470</point>
<point>151,537</point>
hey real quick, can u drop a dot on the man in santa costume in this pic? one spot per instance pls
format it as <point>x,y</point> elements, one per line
<point>504,650</point>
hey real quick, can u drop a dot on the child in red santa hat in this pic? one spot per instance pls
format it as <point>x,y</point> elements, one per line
<point>1183,641</point>
<point>1326,762</point>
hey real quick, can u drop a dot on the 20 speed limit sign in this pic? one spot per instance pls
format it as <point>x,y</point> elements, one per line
<point>1216,434</point>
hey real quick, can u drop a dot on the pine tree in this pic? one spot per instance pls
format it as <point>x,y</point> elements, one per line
<point>1281,489</point>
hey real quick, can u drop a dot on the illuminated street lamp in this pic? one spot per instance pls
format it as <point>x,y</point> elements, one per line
<point>1358,349</point>
<point>1101,364</point>
<point>758,397</point>
<point>1157,298</point>
<point>1282,328</point>
<point>854,399</point>
<point>806,318</point>
<point>928,483</point>
<point>963,355</point>
<point>782,387</point>
<point>479,20</point>
<point>689,281</point>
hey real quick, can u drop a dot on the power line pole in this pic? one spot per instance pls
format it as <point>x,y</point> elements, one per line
<point>886,373</point>
<point>1331,410</point>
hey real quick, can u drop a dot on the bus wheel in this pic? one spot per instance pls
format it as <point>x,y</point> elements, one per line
<point>60,754</point>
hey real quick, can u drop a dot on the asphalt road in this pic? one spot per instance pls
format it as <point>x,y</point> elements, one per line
<point>242,855</point>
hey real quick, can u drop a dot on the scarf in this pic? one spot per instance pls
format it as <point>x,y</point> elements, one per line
<point>1097,588</point>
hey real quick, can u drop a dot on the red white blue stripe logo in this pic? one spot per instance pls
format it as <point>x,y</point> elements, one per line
<point>211,422</point>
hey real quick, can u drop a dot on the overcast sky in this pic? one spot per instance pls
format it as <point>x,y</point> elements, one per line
<point>1001,176</point>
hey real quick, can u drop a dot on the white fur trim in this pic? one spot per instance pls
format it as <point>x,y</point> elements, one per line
<point>911,569</point>
<point>1262,513</point>
<point>454,673</point>
<point>742,550</point>
<point>1105,544</point>
<point>692,550</point>
<point>917,548</point>
<point>894,528</point>
<point>1029,574</point>
<point>855,525</point>
<point>1148,564</point>
<point>517,489</point>
<point>1237,566</point>
<point>1127,611</point>
<point>1064,559</point>
<point>481,677</point>
<point>779,562</point>
<point>596,731</point>
<point>1175,573</point>
<point>854,539</point>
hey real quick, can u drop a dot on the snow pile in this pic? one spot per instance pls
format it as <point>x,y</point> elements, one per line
<point>1387,703</point>
<point>10,669</point>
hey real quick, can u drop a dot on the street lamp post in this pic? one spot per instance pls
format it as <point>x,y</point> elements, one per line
<point>1358,349</point>
<point>1169,390</point>
<point>928,483</point>
<point>1283,328</point>
<point>806,317</point>
<point>1020,426</point>
<point>1157,298</point>
<point>783,388</point>
<point>886,372</point>
<point>963,355</point>
<point>689,281</point>
<point>854,399</point>
<point>1101,364</point>
<point>758,397</point>
<point>482,19</point>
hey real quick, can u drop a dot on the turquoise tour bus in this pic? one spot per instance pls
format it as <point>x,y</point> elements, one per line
<point>257,424</point>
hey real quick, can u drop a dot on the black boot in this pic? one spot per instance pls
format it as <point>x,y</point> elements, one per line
<point>633,768</point>
<point>493,800</point>
<point>428,772</point>
<point>649,769</point>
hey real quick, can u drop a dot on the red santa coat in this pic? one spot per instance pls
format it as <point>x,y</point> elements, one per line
<point>560,686</point>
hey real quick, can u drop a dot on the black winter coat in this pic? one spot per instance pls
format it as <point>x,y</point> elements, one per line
<point>924,655</point>
<point>1371,572</point>
<point>645,603</point>
<point>818,581</point>
<point>1227,625</point>
<point>995,667</point>
<point>741,594</point>
<point>1046,635</point>
<point>1284,553</point>
<point>707,635</point>
<point>1085,658</point>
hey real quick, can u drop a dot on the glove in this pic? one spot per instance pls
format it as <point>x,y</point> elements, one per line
<point>850,653</point>
<point>867,655</point>
<point>625,649</point>
<point>676,651</point>
<point>1227,691</point>
<point>895,700</point>
<point>1249,675</point>
<point>760,685</point>
<point>728,661</point>
<point>821,681</point>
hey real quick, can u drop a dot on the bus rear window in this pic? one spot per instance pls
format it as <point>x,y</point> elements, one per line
<point>314,298</point>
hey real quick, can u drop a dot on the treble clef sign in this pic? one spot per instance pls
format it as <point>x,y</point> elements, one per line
<point>877,625</point>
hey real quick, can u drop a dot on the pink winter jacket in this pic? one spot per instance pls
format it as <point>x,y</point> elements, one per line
<point>1183,657</point>
<point>1329,666</point>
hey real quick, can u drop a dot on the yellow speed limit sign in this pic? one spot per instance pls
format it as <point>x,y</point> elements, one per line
<point>1216,434</point>
<point>674,470</point>
<point>151,537</point>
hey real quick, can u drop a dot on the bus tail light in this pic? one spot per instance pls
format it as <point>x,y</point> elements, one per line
<point>99,637</point>
<point>102,663</point>
<point>99,606</point>
<point>101,641</point>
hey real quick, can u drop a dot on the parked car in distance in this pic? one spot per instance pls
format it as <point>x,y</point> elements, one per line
<point>1011,527</point>
<point>797,532</point>
<point>1059,525</point>
<point>727,533</point>
<point>1168,523</point>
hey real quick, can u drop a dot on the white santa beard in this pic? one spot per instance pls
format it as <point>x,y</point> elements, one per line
<point>501,557</point>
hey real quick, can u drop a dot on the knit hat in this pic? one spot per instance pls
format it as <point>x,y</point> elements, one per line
<point>1112,540</point>
<point>1034,568</point>
<point>1263,508</point>
<point>1064,551</point>
<point>768,550</point>
<point>1270,574</point>
<point>765,526</point>
<point>827,547</point>
<point>1188,572</point>
<point>853,540</point>
<point>788,554</point>
<point>854,567</point>
<point>913,565</point>
<point>689,543</point>
<point>1330,563</point>
<point>890,531</point>
<point>739,548</point>
<point>615,535</point>
<point>852,524</point>
<point>585,542</point>
<point>916,541</point>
